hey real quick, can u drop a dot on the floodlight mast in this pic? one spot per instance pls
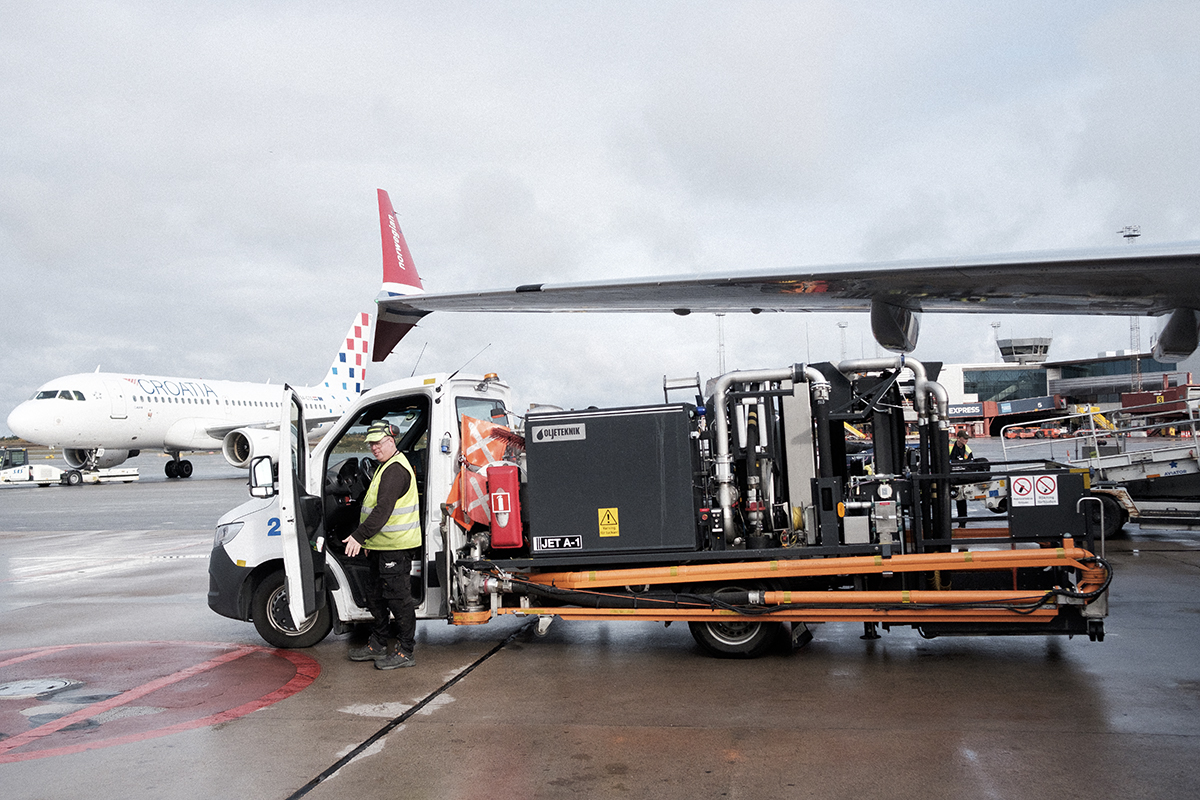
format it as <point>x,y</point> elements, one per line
<point>1130,233</point>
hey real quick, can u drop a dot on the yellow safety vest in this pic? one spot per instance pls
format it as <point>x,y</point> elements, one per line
<point>402,531</point>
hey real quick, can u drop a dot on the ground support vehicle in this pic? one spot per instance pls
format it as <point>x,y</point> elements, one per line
<point>1044,430</point>
<point>740,515</point>
<point>15,467</point>
<point>1144,467</point>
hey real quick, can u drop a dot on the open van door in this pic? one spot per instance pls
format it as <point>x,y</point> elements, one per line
<point>301,526</point>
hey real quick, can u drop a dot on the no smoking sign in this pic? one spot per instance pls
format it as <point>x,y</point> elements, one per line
<point>1035,490</point>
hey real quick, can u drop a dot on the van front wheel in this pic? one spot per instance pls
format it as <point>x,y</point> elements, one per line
<point>273,621</point>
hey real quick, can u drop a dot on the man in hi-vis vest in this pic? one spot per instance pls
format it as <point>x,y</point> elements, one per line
<point>389,532</point>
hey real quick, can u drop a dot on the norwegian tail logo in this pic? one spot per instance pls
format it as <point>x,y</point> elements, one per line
<point>399,273</point>
<point>347,375</point>
<point>399,278</point>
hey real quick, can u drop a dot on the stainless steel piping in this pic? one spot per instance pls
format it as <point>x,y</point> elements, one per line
<point>924,387</point>
<point>798,373</point>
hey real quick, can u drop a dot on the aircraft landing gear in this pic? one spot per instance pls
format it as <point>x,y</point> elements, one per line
<point>178,469</point>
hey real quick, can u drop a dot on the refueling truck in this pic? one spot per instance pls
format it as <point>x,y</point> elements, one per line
<point>739,513</point>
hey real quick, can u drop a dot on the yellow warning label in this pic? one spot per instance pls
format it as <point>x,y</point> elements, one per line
<point>609,526</point>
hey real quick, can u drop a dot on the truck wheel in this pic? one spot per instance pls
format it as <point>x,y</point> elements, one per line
<point>74,478</point>
<point>1114,516</point>
<point>735,638</point>
<point>273,621</point>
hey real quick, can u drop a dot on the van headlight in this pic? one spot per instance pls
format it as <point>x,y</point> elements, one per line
<point>226,532</point>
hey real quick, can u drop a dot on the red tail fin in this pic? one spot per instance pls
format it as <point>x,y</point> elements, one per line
<point>399,273</point>
<point>399,278</point>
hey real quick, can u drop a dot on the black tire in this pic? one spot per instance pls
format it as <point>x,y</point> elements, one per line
<point>273,621</point>
<point>171,469</point>
<point>185,469</point>
<point>74,478</point>
<point>1114,515</point>
<point>735,637</point>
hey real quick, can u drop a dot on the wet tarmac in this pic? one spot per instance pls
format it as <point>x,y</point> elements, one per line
<point>122,683</point>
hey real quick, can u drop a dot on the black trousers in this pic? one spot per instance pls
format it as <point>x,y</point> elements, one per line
<point>390,598</point>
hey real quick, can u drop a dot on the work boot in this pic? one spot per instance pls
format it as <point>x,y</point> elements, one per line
<point>373,650</point>
<point>394,660</point>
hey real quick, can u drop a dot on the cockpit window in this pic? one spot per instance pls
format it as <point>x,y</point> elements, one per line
<point>60,394</point>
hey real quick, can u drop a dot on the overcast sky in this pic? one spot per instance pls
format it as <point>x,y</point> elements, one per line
<point>189,189</point>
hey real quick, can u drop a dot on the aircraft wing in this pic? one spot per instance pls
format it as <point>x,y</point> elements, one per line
<point>1129,280</point>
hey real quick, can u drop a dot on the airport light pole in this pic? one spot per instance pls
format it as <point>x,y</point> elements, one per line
<point>1130,233</point>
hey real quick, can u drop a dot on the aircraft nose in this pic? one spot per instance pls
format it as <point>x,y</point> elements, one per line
<point>23,421</point>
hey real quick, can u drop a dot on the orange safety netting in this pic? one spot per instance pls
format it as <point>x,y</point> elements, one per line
<point>483,443</point>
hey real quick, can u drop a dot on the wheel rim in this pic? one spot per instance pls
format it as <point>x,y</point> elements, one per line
<point>281,619</point>
<point>733,634</point>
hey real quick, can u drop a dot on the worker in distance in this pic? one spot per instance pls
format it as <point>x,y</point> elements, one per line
<point>389,533</point>
<point>960,452</point>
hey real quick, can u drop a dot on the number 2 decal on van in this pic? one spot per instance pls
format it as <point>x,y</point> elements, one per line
<point>273,526</point>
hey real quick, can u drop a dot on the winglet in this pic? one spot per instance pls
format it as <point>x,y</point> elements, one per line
<point>399,278</point>
<point>399,273</point>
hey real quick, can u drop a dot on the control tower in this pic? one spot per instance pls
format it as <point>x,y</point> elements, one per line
<point>1032,350</point>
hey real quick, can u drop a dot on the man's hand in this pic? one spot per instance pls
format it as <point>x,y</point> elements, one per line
<point>353,548</point>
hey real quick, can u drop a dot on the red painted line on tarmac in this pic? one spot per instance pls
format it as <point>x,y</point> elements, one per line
<point>95,709</point>
<point>306,671</point>
<point>49,651</point>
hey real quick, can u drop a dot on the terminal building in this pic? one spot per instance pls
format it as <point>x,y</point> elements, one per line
<point>1026,385</point>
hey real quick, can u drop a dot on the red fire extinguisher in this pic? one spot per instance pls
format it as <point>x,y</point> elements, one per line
<point>504,484</point>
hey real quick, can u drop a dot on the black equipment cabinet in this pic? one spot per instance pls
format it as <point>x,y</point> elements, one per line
<point>612,480</point>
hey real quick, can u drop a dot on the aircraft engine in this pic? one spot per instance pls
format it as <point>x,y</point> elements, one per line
<point>78,458</point>
<point>895,327</point>
<point>243,445</point>
<point>1178,336</point>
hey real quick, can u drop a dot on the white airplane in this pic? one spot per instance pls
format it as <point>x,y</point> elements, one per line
<point>100,419</point>
<point>1157,281</point>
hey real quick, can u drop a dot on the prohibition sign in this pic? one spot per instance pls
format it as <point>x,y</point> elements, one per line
<point>1045,490</point>
<point>69,698</point>
<point>1022,491</point>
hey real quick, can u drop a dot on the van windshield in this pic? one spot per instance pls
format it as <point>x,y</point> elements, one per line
<point>484,408</point>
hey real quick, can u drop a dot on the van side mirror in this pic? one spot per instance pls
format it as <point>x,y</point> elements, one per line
<point>262,477</point>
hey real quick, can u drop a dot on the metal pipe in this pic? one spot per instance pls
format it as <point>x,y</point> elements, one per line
<point>723,461</point>
<point>924,387</point>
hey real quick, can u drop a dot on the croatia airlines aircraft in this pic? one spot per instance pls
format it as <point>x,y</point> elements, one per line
<point>100,419</point>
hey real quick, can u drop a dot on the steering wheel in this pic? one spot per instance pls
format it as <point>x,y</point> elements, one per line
<point>366,470</point>
<point>347,474</point>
